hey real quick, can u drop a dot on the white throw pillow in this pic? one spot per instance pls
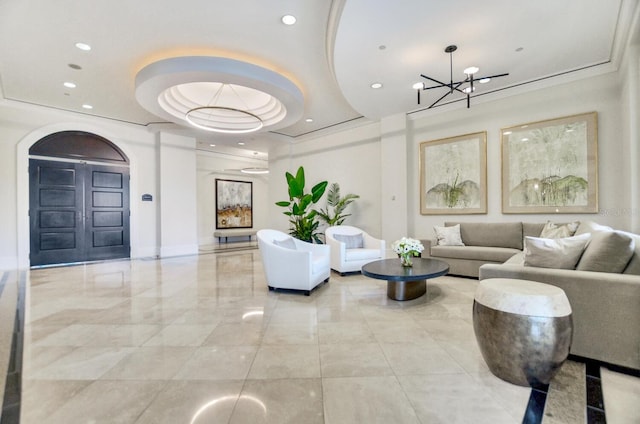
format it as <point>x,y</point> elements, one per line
<point>354,241</point>
<point>287,243</point>
<point>554,231</point>
<point>562,253</point>
<point>448,236</point>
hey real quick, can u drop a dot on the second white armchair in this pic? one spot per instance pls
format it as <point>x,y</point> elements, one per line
<point>351,248</point>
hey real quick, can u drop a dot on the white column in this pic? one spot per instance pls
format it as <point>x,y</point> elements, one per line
<point>393,150</point>
<point>178,195</point>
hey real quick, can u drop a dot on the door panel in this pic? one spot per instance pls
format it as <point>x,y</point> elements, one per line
<point>107,212</point>
<point>57,233</point>
<point>78,212</point>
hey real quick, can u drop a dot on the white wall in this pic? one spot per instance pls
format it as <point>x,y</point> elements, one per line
<point>22,125</point>
<point>600,94</point>
<point>350,158</point>
<point>216,165</point>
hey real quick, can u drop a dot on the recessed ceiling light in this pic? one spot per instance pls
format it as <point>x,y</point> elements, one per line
<point>86,106</point>
<point>289,19</point>
<point>74,66</point>
<point>519,49</point>
<point>240,143</point>
<point>212,145</point>
<point>83,46</point>
<point>484,80</point>
<point>382,47</point>
<point>308,120</point>
<point>418,86</point>
<point>525,139</point>
<point>69,84</point>
<point>507,132</point>
<point>376,85</point>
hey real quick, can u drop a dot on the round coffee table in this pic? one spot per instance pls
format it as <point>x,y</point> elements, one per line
<point>405,283</point>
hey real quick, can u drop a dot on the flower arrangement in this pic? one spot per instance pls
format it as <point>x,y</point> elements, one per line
<point>406,248</point>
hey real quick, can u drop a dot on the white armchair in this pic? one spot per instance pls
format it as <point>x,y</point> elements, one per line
<point>351,248</point>
<point>290,263</point>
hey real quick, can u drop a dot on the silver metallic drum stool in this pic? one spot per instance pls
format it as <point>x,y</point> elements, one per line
<point>524,329</point>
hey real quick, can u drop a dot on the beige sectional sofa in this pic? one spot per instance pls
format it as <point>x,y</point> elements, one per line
<point>606,305</point>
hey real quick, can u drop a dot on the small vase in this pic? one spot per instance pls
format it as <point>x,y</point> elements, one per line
<point>405,260</point>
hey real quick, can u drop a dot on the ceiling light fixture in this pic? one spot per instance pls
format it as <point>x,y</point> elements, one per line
<point>376,85</point>
<point>289,19</point>
<point>83,46</point>
<point>218,94</point>
<point>86,106</point>
<point>455,86</point>
<point>309,120</point>
<point>69,84</point>
<point>254,170</point>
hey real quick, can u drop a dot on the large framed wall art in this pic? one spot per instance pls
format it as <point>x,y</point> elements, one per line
<point>551,166</point>
<point>453,175</point>
<point>234,204</point>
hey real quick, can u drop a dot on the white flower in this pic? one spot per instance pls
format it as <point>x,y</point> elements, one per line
<point>407,246</point>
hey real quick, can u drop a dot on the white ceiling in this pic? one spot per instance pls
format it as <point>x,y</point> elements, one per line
<point>333,57</point>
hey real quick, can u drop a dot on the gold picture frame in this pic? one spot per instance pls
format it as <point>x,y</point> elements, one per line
<point>453,175</point>
<point>551,166</point>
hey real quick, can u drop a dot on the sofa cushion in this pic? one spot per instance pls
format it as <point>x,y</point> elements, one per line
<point>553,231</point>
<point>591,227</point>
<point>361,254</point>
<point>563,253</point>
<point>608,251</point>
<point>476,253</point>
<point>500,234</point>
<point>448,236</point>
<point>287,243</point>
<point>353,241</point>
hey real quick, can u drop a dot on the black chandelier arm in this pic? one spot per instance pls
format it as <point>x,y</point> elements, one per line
<point>452,86</point>
<point>446,94</point>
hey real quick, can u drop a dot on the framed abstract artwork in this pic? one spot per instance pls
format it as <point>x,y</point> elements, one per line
<point>234,204</point>
<point>551,166</point>
<point>453,175</point>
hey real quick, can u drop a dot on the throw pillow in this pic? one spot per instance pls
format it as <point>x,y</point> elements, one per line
<point>448,236</point>
<point>590,227</point>
<point>554,231</point>
<point>287,243</point>
<point>562,253</point>
<point>355,241</point>
<point>608,251</point>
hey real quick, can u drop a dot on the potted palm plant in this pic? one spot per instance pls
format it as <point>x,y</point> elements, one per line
<point>303,219</point>
<point>338,204</point>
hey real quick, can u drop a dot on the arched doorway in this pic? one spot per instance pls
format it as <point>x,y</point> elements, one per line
<point>78,199</point>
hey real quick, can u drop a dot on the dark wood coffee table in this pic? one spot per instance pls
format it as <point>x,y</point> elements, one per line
<point>405,283</point>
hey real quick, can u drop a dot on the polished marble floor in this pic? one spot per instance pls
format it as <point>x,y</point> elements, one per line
<point>200,339</point>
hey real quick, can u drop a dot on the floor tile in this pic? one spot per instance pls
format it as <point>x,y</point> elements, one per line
<point>345,332</point>
<point>186,401</point>
<point>413,358</point>
<point>369,400</point>
<point>453,398</point>
<point>218,363</point>
<point>150,363</point>
<point>291,361</point>
<point>83,363</point>
<point>353,360</point>
<point>621,393</point>
<point>291,334</point>
<point>120,402</point>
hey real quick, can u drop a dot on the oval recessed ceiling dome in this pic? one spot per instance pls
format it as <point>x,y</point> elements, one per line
<point>219,94</point>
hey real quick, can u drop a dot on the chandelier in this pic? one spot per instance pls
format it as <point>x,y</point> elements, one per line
<point>219,94</point>
<point>455,86</point>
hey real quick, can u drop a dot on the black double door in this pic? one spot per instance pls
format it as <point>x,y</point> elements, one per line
<point>78,212</point>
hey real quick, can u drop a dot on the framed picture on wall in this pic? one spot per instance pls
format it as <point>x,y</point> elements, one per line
<point>551,166</point>
<point>453,175</point>
<point>234,204</point>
